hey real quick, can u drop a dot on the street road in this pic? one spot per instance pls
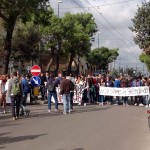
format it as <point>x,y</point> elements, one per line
<point>92,127</point>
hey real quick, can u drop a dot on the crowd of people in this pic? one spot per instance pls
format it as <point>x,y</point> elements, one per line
<point>16,88</point>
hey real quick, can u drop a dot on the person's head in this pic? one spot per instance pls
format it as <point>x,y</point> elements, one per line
<point>60,74</point>
<point>14,74</point>
<point>27,77</point>
<point>7,76</point>
<point>42,73</point>
<point>51,75</point>
<point>47,73</point>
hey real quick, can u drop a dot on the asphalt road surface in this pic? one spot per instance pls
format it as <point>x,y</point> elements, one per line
<point>92,127</point>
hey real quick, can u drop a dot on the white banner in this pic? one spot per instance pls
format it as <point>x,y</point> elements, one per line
<point>77,96</point>
<point>131,91</point>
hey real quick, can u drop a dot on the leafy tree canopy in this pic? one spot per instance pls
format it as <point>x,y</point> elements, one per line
<point>102,56</point>
<point>141,26</point>
<point>145,59</point>
<point>11,11</point>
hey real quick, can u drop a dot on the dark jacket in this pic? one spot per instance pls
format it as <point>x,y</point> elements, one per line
<point>43,79</point>
<point>51,84</point>
<point>66,86</point>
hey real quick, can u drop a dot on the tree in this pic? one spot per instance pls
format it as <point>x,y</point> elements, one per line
<point>102,56</point>
<point>145,59</point>
<point>78,29</point>
<point>53,35</point>
<point>141,27</point>
<point>25,45</point>
<point>11,11</point>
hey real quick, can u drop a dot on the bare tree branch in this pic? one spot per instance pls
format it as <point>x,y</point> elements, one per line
<point>3,17</point>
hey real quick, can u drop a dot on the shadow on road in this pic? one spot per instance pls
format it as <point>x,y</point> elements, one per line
<point>76,110</point>
<point>73,149</point>
<point>8,140</point>
<point>81,109</point>
<point>1,147</point>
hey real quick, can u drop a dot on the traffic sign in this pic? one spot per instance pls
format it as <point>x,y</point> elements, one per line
<point>35,70</point>
<point>35,81</point>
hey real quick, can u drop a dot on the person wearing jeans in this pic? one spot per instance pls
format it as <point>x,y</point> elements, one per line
<point>54,94</point>
<point>51,87</point>
<point>15,98</point>
<point>65,87</point>
<point>67,103</point>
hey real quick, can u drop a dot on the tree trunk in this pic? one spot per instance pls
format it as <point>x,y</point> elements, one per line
<point>49,64</point>
<point>7,51</point>
<point>70,63</point>
<point>10,24</point>
<point>58,57</point>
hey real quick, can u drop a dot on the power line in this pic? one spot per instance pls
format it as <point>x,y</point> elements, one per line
<point>107,21</point>
<point>100,5</point>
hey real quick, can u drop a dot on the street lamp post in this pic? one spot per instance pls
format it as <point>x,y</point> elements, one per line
<point>58,7</point>
<point>98,39</point>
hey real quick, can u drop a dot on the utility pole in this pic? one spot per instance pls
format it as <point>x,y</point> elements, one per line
<point>58,7</point>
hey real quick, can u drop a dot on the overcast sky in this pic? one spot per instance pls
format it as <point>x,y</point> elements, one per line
<point>113,18</point>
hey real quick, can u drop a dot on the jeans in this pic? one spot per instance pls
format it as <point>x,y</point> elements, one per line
<point>15,100</point>
<point>23,104</point>
<point>101,98</point>
<point>125,99</point>
<point>54,94</point>
<point>42,90</point>
<point>90,95</point>
<point>67,102</point>
<point>147,99</point>
<point>71,96</point>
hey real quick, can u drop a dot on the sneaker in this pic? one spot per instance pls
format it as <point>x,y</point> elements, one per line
<point>115,104</point>
<point>146,106</point>
<point>64,113</point>
<point>14,118</point>
<point>28,112</point>
<point>56,110</point>
<point>49,110</point>
<point>141,104</point>
<point>69,112</point>
<point>84,104</point>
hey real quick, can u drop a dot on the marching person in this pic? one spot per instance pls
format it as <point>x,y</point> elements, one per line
<point>65,87</point>
<point>51,87</point>
<point>3,92</point>
<point>14,91</point>
<point>42,86</point>
<point>25,91</point>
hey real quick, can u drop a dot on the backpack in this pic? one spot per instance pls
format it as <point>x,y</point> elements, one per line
<point>16,90</point>
<point>51,86</point>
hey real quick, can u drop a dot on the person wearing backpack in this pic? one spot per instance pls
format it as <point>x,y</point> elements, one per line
<point>25,87</point>
<point>14,91</point>
<point>51,88</point>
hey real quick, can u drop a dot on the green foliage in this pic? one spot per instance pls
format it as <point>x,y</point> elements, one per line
<point>78,29</point>
<point>102,56</point>
<point>11,11</point>
<point>145,59</point>
<point>141,26</point>
<point>26,44</point>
